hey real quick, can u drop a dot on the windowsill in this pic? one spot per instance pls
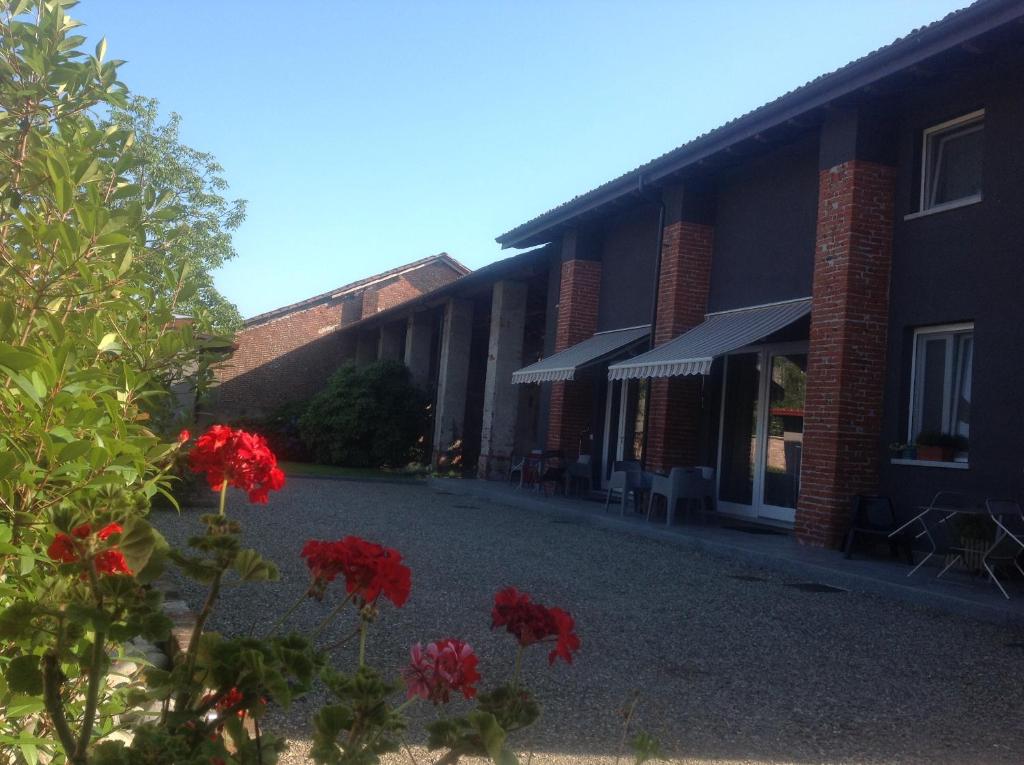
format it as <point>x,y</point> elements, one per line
<point>965,202</point>
<point>932,463</point>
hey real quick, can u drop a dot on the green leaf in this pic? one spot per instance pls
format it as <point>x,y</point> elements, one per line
<point>137,542</point>
<point>16,359</point>
<point>493,737</point>
<point>108,342</point>
<point>24,675</point>
<point>252,568</point>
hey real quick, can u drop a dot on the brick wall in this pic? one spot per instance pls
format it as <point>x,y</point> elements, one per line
<point>849,318</point>
<point>683,284</point>
<point>572,401</point>
<point>290,356</point>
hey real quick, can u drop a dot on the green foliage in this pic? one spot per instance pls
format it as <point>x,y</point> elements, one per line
<point>367,416</point>
<point>89,348</point>
<point>198,236</point>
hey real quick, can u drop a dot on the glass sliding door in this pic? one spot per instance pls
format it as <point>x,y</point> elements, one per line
<point>784,435</point>
<point>761,434</point>
<point>740,410</point>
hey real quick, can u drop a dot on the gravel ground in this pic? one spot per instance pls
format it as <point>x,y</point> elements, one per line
<point>731,665</point>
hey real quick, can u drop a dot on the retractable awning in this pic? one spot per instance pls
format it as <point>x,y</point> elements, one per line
<point>563,365</point>
<point>692,352</point>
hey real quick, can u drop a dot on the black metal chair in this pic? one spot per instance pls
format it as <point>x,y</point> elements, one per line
<point>874,518</point>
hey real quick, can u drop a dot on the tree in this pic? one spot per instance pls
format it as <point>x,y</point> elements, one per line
<point>201,235</point>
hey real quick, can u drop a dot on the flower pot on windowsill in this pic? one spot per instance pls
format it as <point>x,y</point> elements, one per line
<point>934,453</point>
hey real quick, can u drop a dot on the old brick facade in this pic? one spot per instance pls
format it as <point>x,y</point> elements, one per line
<point>572,401</point>
<point>673,422</point>
<point>849,321</point>
<point>288,354</point>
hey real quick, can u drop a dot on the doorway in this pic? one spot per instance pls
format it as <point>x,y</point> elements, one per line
<point>625,420</point>
<point>761,433</point>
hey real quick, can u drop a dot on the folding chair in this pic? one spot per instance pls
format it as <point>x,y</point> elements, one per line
<point>1009,542</point>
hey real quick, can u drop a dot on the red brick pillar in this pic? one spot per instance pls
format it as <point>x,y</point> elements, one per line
<point>682,302</point>
<point>849,318</point>
<point>572,401</point>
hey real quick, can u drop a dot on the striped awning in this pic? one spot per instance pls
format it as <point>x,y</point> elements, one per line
<point>692,352</point>
<point>563,365</point>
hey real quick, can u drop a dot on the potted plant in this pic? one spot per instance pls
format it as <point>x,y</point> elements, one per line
<point>902,451</point>
<point>935,446</point>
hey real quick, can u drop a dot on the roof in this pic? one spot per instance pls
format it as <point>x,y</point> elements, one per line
<point>692,352</point>
<point>442,257</point>
<point>563,365</point>
<point>511,266</point>
<point>954,29</point>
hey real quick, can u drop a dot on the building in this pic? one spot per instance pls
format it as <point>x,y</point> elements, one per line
<point>781,298</point>
<point>287,354</point>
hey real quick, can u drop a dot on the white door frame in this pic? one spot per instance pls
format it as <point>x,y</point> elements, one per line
<point>757,509</point>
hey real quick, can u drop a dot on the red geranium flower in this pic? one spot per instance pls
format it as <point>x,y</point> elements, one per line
<point>241,459</point>
<point>370,569</point>
<point>534,623</point>
<point>64,549</point>
<point>445,666</point>
<point>184,436</point>
<point>111,562</point>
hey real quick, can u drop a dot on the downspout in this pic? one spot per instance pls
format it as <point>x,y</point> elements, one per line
<point>654,305</point>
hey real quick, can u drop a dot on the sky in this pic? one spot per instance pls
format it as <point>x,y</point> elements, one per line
<point>365,135</point>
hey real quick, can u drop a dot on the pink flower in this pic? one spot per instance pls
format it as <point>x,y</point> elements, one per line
<point>442,667</point>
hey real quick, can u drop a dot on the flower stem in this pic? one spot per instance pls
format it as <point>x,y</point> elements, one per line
<point>327,619</point>
<point>55,704</point>
<point>362,643</point>
<point>223,496</point>
<point>277,625</point>
<point>518,667</point>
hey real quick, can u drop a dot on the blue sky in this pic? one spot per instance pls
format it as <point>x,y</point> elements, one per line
<point>369,134</point>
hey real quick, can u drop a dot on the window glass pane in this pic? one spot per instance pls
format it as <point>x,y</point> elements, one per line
<point>962,404</point>
<point>931,380</point>
<point>787,395</point>
<point>739,428</point>
<point>956,161</point>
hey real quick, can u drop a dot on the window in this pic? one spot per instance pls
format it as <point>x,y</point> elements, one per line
<point>941,381</point>
<point>952,162</point>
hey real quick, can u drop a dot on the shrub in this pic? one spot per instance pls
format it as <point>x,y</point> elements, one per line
<point>366,417</point>
<point>282,431</point>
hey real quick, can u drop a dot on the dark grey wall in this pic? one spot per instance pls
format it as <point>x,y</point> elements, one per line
<point>963,265</point>
<point>628,259</point>
<point>765,229</point>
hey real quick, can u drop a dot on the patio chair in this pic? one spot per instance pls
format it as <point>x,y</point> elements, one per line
<point>1009,542</point>
<point>689,484</point>
<point>874,518</point>
<point>578,473</point>
<point>939,534</point>
<point>627,478</point>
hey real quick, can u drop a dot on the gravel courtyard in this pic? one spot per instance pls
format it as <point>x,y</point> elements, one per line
<point>731,665</point>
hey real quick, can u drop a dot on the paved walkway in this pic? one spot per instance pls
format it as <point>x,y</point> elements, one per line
<point>956,593</point>
<point>732,663</point>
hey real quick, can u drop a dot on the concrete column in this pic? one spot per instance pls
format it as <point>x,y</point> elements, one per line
<point>419,335</point>
<point>501,397</point>
<point>367,346</point>
<point>453,374</point>
<point>390,348</point>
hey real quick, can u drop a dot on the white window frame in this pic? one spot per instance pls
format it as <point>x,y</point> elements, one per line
<point>952,377</point>
<point>928,173</point>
